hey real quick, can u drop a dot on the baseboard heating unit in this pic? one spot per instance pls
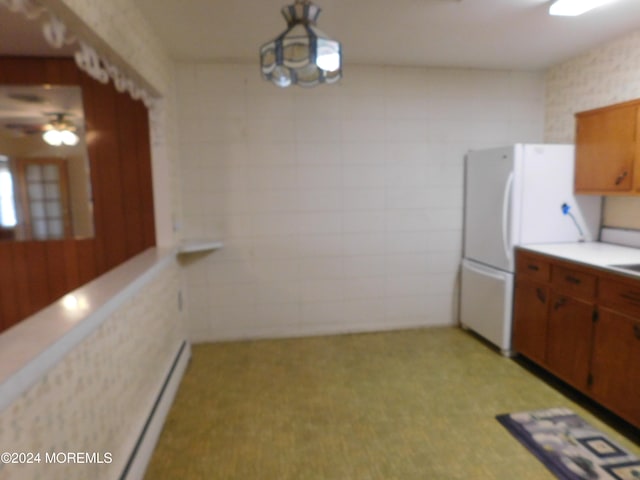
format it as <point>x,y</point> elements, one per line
<point>141,454</point>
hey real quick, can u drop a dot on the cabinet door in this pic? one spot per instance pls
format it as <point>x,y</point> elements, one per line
<point>605,149</point>
<point>530,319</point>
<point>569,339</point>
<point>616,364</point>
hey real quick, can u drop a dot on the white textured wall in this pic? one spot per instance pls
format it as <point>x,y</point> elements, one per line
<point>340,206</point>
<point>99,396</point>
<point>603,76</point>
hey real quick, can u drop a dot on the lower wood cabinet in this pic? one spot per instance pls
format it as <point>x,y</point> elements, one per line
<point>582,325</point>
<point>529,333</point>
<point>570,328</point>
<point>616,363</point>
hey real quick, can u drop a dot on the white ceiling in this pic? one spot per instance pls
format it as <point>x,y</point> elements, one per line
<point>509,34</point>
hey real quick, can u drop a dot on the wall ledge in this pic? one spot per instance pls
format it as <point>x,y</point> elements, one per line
<point>34,346</point>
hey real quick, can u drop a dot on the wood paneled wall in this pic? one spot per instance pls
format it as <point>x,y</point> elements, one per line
<point>35,273</point>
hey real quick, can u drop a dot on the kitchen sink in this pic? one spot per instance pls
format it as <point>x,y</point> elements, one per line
<point>633,267</point>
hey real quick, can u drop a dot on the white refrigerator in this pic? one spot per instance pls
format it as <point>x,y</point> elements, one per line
<point>516,195</point>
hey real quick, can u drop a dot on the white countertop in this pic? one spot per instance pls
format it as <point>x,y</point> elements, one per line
<point>594,254</point>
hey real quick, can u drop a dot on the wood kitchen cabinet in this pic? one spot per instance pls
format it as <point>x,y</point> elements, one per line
<point>616,356</point>
<point>530,307</point>
<point>608,150</point>
<point>616,364</point>
<point>570,326</point>
<point>582,324</point>
<point>530,325</point>
<point>570,323</point>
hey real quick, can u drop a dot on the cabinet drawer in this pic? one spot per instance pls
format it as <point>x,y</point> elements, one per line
<point>573,282</point>
<point>624,297</point>
<point>532,267</point>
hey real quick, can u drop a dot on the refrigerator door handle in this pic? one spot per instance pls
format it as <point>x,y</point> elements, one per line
<point>506,205</point>
<point>482,271</point>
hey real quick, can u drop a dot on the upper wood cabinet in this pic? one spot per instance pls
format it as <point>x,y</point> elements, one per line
<point>608,150</point>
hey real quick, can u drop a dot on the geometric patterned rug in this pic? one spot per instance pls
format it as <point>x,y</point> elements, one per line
<point>570,447</point>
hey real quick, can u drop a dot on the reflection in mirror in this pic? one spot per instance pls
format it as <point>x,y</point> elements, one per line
<point>45,185</point>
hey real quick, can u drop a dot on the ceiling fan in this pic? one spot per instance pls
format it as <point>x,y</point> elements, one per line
<point>22,129</point>
<point>60,131</point>
<point>56,130</point>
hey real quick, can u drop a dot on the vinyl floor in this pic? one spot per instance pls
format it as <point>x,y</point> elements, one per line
<point>405,405</point>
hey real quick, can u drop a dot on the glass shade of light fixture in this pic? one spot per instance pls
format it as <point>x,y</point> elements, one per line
<point>301,55</point>
<point>60,137</point>
<point>60,132</point>
<point>572,8</point>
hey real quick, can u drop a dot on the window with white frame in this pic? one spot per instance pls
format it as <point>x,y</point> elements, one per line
<point>7,199</point>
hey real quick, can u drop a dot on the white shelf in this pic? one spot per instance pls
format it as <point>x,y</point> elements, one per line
<point>199,246</point>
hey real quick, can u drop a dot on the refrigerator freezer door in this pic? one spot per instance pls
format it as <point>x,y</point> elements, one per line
<point>488,208</point>
<point>486,303</point>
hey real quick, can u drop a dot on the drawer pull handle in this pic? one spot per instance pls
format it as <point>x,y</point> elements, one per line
<point>621,177</point>
<point>636,330</point>
<point>535,268</point>
<point>633,297</point>
<point>572,279</point>
<point>541,296</point>
<point>561,302</point>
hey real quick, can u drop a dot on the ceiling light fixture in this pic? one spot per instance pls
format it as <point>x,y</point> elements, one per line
<point>572,8</point>
<point>60,132</point>
<point>301,55</point>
